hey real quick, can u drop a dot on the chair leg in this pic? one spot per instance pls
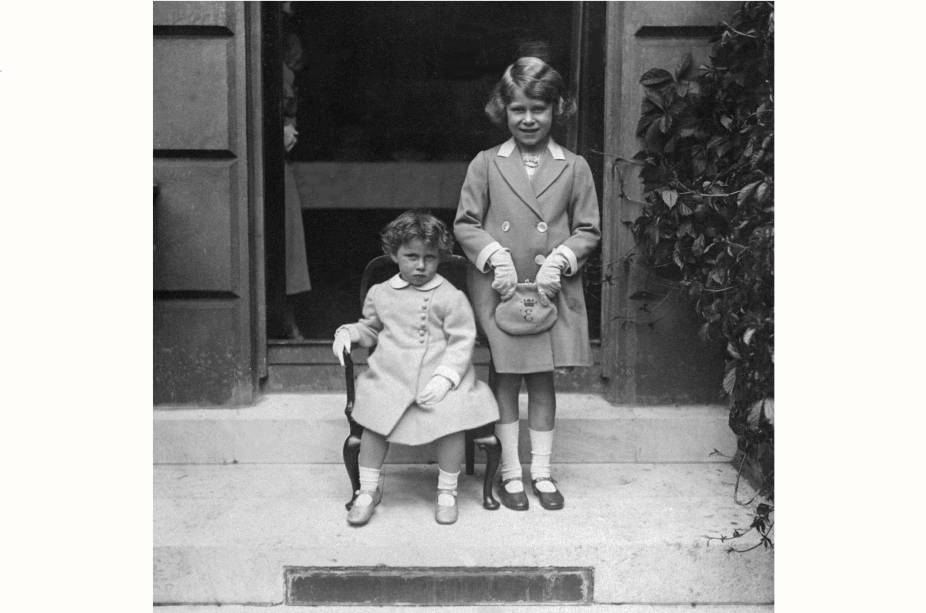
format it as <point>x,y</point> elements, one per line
<point>351,454</point>
<point>493,449</point>
<point>470,451</point>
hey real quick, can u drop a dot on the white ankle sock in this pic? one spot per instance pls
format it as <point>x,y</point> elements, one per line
<point>541,453</point>
<point>507,434</point>
<point>369,481</point>
<point>446,481</point>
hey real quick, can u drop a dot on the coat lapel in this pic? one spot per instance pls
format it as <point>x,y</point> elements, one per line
<point>548,172</point>
<point>513,172</point>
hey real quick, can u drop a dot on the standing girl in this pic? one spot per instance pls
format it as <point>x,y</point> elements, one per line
<point>420,385</point>
<point>528,211</point>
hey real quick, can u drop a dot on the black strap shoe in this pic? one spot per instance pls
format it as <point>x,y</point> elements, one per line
<point>552,501</point>
<point>516,501</point>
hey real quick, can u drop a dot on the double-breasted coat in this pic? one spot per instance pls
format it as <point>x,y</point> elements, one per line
<point>419,332</point>
<point>501,207</point>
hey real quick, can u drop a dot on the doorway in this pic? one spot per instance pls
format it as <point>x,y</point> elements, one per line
<point>388,108</point>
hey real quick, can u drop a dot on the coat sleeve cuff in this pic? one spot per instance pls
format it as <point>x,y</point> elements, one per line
<point>449,374</point>
<point>571,258</point>
<point>482,260</point>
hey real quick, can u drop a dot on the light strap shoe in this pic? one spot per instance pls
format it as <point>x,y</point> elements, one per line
<point>445,508</point>
<point>364,503</point>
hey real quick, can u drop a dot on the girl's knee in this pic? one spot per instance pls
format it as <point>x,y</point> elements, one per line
<point>542,420</point>
<point>541,401</point>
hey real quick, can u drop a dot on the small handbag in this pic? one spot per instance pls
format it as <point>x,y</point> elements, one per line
<point>523,314</point>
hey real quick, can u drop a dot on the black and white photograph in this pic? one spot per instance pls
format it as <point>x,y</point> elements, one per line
<point>460,306</point>
<point>464,304</point>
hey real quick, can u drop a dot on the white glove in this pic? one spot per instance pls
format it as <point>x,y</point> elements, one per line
<point>548,277</point>
<point>434,391</point>
<point>506,277</point>
<point>341,344</point>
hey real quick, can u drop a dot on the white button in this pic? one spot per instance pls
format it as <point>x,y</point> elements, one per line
<point>542,226</point>
<point>539,260</point>
<point>506,226</point>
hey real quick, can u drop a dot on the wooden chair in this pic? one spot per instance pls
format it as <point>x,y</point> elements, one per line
<point>380,269</point>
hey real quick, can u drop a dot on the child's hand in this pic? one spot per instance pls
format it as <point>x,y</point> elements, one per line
<point>548,277</point>
<point>341,344</point>
<point>506,277</point>
<point>290,137</point>
<point>434,392</point>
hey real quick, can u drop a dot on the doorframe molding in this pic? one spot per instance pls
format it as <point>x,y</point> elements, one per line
<point>256,200</point>
<point>618,341</point>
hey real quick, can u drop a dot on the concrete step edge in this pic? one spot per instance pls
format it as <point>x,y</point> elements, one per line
<point>226,534</point>
<point>310,428</point>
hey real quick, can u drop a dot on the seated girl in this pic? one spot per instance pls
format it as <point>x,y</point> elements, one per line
<point>420,385</point>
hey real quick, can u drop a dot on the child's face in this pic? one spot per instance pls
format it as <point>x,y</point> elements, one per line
<point>417,261</point>
<point>529,120</point>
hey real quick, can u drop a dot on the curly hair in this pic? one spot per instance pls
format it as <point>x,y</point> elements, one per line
<point>412,225</point>
<point>536,79</point>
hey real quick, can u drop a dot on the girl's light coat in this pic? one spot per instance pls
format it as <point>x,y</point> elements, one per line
<point>418,332</point>
<point>530,217</point>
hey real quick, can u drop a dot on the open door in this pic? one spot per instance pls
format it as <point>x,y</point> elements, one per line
<point>207,194</point>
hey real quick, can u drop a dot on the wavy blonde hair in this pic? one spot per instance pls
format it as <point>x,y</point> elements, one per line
<point>537,80</point>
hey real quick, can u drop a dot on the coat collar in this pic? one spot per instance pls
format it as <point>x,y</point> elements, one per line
<point>513,173</point>
<point>397,282</point>
<point>505,149</point>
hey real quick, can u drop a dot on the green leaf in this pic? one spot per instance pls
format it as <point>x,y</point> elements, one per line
<point>645,122</point>
<point>704,332</point>
<point>747,336</point>
<point>697,247</point>
<point>655,77</point>
<point>669,196</point>
<point>732,351</point>
<point>768,409</point>
<point>762,192</point>
<point>653,138</point>
<point>684,65</point>
<point>727,122</point>
<point>729,381</point>
<point>746,192</point>
<point>656,98</point>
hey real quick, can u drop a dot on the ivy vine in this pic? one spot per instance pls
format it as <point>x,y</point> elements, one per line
<point>708,219</point>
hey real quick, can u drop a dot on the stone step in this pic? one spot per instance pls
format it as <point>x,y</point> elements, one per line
<point>310,429</point>
<point>309,366</point>
<point>225,534</point>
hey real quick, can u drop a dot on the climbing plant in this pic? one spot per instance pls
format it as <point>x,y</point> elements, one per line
<point>708,221</point>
